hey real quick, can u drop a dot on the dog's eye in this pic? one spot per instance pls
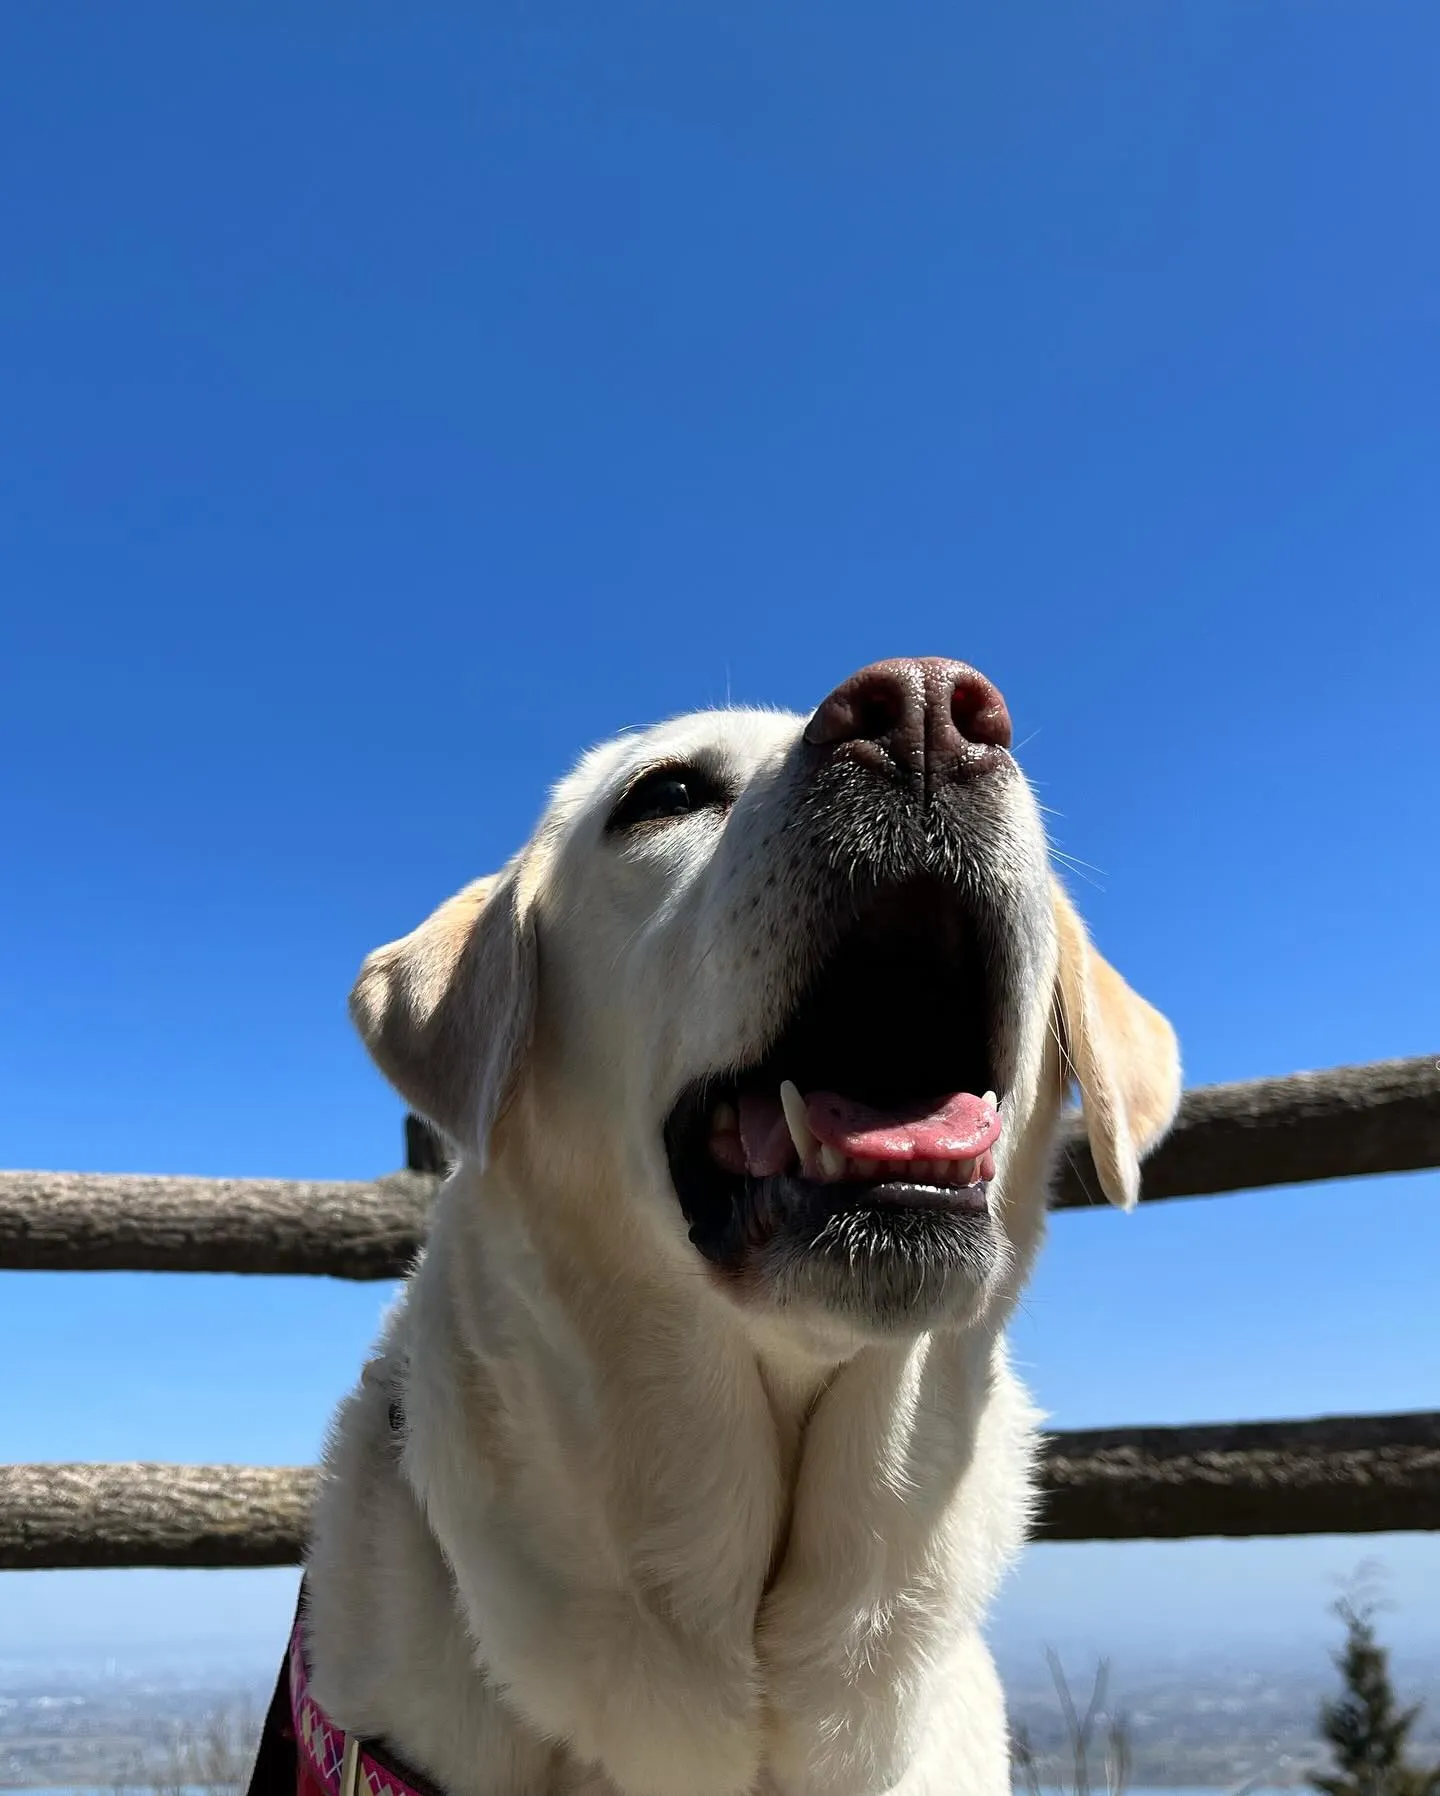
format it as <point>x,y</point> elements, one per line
<point>664,794</point>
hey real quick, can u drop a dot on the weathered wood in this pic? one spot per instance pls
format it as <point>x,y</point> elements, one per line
<point>54,1516</point>
<point>1339,1124</point>
<point>1345,1123</point>
<point>103,1222</point>
<point>1336,1475</point>
<point>1344,1474</point>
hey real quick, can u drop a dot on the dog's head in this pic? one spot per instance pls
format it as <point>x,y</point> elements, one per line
<point>798,998</point>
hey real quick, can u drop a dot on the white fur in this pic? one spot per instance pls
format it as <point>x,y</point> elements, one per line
<point>637,1537</point>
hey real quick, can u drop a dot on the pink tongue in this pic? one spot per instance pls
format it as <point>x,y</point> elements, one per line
<point>960,1127</point>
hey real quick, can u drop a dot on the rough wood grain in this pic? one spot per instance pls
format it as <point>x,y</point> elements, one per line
<point>104,1222</point>
<point>113,1515</point>
<point>1344,1123</point>
<point>1338,1124</point>
<point>1343,1474</point>
<point>1335,1475</point>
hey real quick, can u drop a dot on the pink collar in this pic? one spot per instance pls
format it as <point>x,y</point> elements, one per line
<point>332,1762</point>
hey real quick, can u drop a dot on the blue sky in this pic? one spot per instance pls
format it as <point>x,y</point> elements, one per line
<point>398,400</point>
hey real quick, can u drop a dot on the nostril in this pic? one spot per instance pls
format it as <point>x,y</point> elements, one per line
<point>979,713</point>
<point>879,705</point>
<point>930,719</point>
<point>877,711</point>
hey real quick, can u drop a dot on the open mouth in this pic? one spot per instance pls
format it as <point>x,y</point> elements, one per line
<point>878,1096</point>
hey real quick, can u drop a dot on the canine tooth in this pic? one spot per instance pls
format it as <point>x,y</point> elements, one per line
<point>801,1133</point>
<point>832,1161</point>
<point>991,1099</point>
<point>725,1120</point>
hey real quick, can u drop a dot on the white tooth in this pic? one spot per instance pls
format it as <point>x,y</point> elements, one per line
<point>801,1134</point>
<point>725,1121</point>
<point>865,1169</point>
<point>921,1170</point>
<point>991,1099</point>
<point>832,1161</point>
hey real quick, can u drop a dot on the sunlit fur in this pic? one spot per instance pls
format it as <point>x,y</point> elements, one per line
<point>638,1534</point>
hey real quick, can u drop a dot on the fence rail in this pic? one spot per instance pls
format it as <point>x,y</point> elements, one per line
<point>1340,1475</point>
<point>1343,1123</point>
<point>1346,1474</point>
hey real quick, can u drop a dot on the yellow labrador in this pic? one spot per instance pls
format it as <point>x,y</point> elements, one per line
<point>691,1458</point>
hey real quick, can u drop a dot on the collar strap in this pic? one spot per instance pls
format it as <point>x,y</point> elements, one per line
<point>332,1762</point>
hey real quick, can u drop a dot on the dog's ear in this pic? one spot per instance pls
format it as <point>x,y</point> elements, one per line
<point>447,1011</point>
<point>1121,1053</point>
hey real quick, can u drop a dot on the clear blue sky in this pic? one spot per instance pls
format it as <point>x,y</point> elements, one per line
<point>399,399</point>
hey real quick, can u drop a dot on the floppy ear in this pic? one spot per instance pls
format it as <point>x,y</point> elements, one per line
<point>1121,1053</point>
<point>447,1011</point>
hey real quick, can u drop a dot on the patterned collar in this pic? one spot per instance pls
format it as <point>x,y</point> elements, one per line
<point>330,1762</point>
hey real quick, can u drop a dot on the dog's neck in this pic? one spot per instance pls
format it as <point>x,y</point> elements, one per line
<point>596,1445</point>
<point>576,1333</point>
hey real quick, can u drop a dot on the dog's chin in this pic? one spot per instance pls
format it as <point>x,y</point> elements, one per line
<point>890,1258</point>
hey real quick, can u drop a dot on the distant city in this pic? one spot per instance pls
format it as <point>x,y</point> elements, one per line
<point>112,1725</point>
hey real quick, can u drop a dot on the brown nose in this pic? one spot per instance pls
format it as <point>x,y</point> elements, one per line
<point>930,721</point>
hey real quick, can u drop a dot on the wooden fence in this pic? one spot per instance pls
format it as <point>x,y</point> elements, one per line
<point>1348,1474</point>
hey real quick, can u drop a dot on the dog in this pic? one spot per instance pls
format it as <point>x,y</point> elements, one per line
<point>690,1457</point>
